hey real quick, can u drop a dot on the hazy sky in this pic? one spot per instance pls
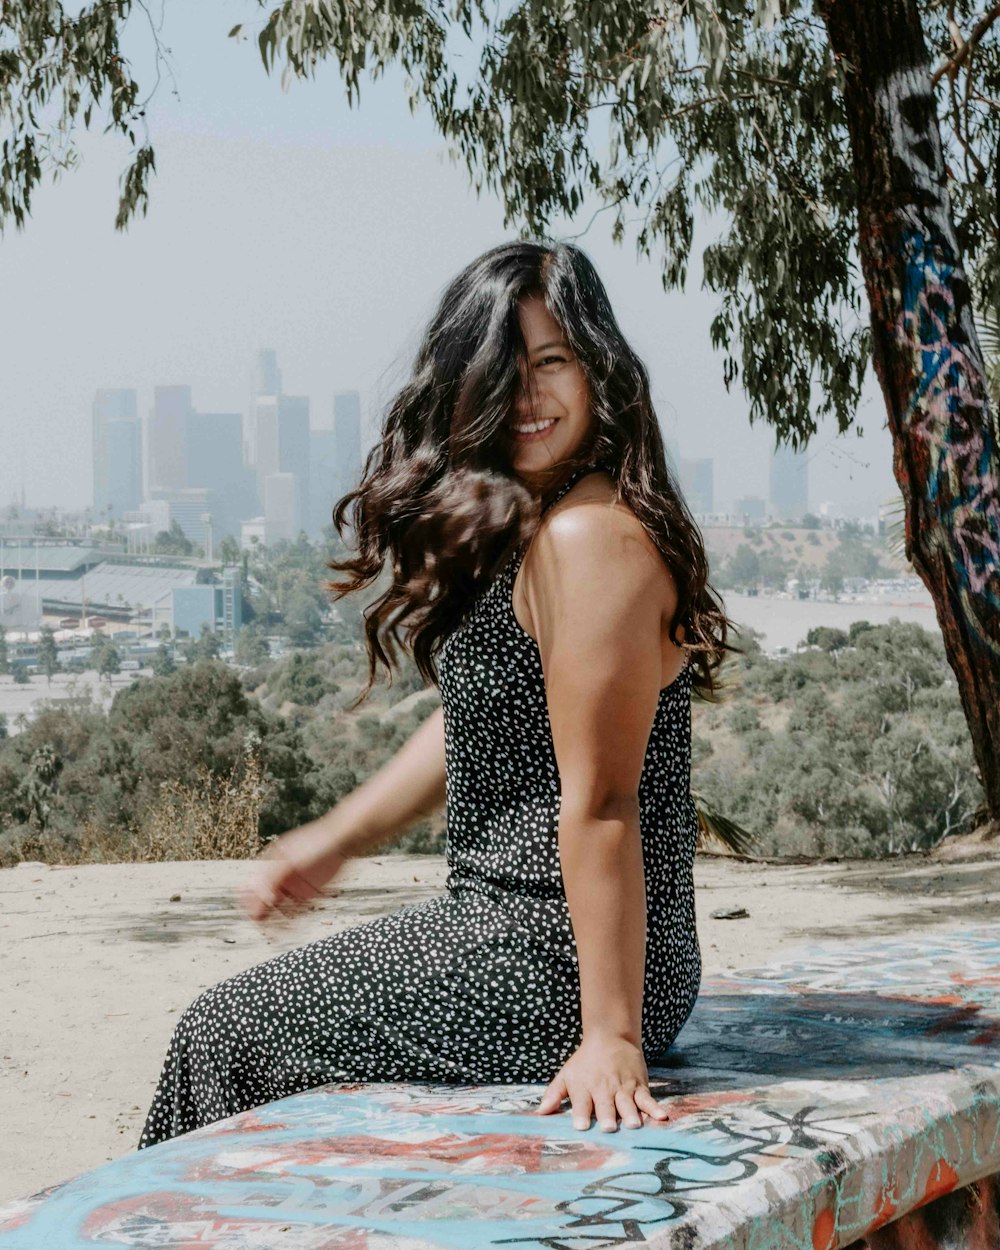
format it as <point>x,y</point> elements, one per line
<point>290,220</point>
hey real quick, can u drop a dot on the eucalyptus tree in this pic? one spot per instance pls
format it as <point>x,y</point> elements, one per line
<point>844,152</point>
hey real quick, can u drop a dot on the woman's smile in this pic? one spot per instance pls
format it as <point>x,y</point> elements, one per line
<point>530,431</point>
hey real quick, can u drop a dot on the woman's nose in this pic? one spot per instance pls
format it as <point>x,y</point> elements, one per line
<point>527,400</point>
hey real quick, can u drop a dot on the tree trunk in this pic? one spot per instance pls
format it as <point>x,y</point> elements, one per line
<point>926,353</point>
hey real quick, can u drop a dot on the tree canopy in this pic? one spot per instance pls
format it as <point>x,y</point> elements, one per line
<point>730,108</point>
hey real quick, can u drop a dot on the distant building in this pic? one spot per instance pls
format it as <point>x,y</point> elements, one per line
<point>213,448</point>
<point>192,509</point>
<point>168,418</point>
<point>186,609</point>
<point>283,447</point>
<point>750,508</point>
<point>293,453</point>
<point>153,516</point>
<point>116,442</point>
<point>831,511</point>
<point>279,508</point>
<point>323,480</point>
<point>698,484</point>
<point>29,570</point>
<point>255,528</point>
<point>266,382</point>
<point>267,446</point>
<point>347,433</point>
<point>789,487</point>
<point>267,376</point>
<point>58,580</point>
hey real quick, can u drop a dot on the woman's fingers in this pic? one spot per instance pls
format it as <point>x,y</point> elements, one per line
<point>297,887</point>
<point>603,1106</point>
<point>257,898</point>
<point>552,1098</point>
<point>626,1108</point>
<point>582,1107</point>
<point>606,1112</point>
<point>645,1101</point>
<point>277,882</point>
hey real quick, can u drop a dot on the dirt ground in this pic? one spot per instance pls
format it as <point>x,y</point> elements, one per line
<point>100,960</point>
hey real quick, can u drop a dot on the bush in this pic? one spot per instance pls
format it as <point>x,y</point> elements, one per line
<point>874,757</point>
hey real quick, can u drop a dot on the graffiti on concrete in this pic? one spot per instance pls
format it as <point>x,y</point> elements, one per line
<point>814,1105</point>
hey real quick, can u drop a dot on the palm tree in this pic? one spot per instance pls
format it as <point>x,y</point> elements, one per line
<point>715,828</point>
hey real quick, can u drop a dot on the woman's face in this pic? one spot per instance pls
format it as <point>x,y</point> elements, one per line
<point>554,394</point>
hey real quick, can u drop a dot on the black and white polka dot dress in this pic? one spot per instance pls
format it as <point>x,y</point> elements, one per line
<point>480,985</point>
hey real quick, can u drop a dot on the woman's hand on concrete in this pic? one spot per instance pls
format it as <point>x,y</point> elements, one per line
<point>605,1077</point>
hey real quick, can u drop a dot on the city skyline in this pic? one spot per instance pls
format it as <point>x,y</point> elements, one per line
<point>271,471</point>
<point>297,222</point>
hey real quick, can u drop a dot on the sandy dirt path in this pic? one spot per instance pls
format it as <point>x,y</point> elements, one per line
<point>100,960</point>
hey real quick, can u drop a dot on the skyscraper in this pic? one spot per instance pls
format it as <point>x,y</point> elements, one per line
<point>322,479</point>
<point>698,484</point>
<point>213,451</point>
<point>279,507</point>
<point>166,466</point>
<point>347,440</point>
<point>117,453</point>
<point>268,375</point>
<point>278,438</point>
<point>789,483</point>
<point>266,382</point>
<point>267,453</point>
<point>293,451</point>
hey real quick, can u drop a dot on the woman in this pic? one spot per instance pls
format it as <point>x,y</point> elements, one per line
<point>556,589</point>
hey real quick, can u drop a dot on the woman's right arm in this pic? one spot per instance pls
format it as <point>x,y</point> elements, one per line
<point>296,866</point>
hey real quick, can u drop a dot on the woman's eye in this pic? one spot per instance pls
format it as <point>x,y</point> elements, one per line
<point>545,359</point>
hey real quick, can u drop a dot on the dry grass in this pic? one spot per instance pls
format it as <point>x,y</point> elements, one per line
<point>210,817</point>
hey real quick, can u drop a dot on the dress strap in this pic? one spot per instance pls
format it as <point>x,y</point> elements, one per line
<point>573,478</point>
<point>514,563</point>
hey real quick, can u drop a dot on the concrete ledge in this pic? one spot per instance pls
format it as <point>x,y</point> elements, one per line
<point>847,1097</point>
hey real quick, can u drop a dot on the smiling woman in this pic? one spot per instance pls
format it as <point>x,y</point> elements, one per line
<point>523,454</point>
<point>552,414</point>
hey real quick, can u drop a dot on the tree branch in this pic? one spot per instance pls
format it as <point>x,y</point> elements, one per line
<point>965,49</point>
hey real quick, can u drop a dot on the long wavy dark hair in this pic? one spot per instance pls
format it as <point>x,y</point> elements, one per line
<point>438,497</point>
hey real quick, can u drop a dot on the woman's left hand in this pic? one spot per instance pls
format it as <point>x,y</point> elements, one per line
<point>606,1077</point>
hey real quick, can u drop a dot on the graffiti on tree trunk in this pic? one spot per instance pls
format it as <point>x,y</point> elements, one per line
<point>947,413</point>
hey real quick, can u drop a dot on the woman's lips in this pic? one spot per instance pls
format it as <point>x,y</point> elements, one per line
<point>532,436</point>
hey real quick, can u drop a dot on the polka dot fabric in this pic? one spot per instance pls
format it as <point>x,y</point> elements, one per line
<point>480,985</point>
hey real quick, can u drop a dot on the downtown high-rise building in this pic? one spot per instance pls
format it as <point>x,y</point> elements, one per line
<point>280,508</point>
<point>347,439</point>
<point>335,458</point>
<point>283,448</point>
<point>265,384</point>
<point>698,484</point>
<point>213,451</point>
<point>322,479</point>
<point>116,442</point>
<point>166,461</point>
<point>789,483</point>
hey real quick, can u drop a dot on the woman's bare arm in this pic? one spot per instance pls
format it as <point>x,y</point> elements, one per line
<point>295,867</point>
<point>410,786</point>
<point>597,590</point>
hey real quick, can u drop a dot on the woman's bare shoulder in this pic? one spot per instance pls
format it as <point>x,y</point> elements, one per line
<point>591,511</point>
<point>591,526</point>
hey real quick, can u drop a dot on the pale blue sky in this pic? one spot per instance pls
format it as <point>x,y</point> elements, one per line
<point>290,220</point>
